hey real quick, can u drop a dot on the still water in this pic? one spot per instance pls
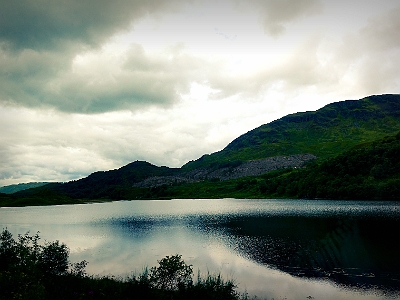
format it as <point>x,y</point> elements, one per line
<point>281,249</point>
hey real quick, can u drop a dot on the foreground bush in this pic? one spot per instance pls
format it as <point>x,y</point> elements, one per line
<point>30,270</point>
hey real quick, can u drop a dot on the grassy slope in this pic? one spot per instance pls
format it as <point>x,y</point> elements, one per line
<point>324,133</point>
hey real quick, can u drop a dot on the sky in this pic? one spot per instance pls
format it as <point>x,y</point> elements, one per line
<point>88,85</point>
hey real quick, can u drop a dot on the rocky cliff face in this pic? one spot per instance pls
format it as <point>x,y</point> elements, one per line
<point>249,168</point>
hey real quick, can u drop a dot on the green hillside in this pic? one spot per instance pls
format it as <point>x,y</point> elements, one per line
<point>324,133</point>
<point>367,171</point>
<point>357,144</point>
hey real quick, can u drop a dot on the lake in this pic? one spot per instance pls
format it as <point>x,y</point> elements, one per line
<point>281,249</point>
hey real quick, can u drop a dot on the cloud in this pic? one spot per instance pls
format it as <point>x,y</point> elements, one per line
<point>23,74</point>
<point>276,15</point>
<point>381,32</point>
<point>369,59</point>
<point>52,56</point>
<point>38,146</point>
<point>59,56</point>
<point>96,81</point>
<point>379,35</point>
<point>363,62</point>
<point>48,24</point>
<point>299,69</point>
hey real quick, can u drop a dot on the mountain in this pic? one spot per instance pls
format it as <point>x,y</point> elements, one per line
<point>13,188</point>
<point>129,181</point>
<point>367,171</point>
<point>274,154</point>
<point>324,133</point>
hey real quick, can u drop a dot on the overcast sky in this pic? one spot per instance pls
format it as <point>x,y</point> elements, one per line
<point>89,85</point>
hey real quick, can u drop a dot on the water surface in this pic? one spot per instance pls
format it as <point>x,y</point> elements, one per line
<point>272,248</point>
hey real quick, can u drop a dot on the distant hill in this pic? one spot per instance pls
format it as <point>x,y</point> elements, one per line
<point>10,189</point>
<point>324,133</point>
<point>106,184</point>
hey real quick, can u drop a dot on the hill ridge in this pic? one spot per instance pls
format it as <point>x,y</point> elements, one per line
<point>324,133</point>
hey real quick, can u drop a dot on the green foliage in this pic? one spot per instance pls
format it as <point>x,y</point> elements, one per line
<point>368,171</point>
<point>28,256</point>
<point>29,270</point>
<point>171,274</point>
<point>53,258</point>
<point>214,287</point>
<point>22,255</point>
<point>25,265</point>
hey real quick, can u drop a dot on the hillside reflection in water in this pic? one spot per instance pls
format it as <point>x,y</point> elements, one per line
<point>352,244</point>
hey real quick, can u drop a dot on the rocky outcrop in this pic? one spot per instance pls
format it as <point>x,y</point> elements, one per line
<point>248,168</point>
<point>262,166</point>
<point>162,180</point>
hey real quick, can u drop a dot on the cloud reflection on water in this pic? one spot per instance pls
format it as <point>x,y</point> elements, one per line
<point>231,237</point>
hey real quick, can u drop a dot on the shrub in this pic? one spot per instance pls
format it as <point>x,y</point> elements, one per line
<point>53,258</point>
<point>171,274</point>
<point>26,255</point>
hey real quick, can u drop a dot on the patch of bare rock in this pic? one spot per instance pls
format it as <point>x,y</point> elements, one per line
<point>248,168</point>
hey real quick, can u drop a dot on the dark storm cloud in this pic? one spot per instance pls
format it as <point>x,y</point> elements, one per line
<point>52,53</point>
<point>40,39</point>
<point>44,24</point>
<point>134,80</point>
<point>24,74</point>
